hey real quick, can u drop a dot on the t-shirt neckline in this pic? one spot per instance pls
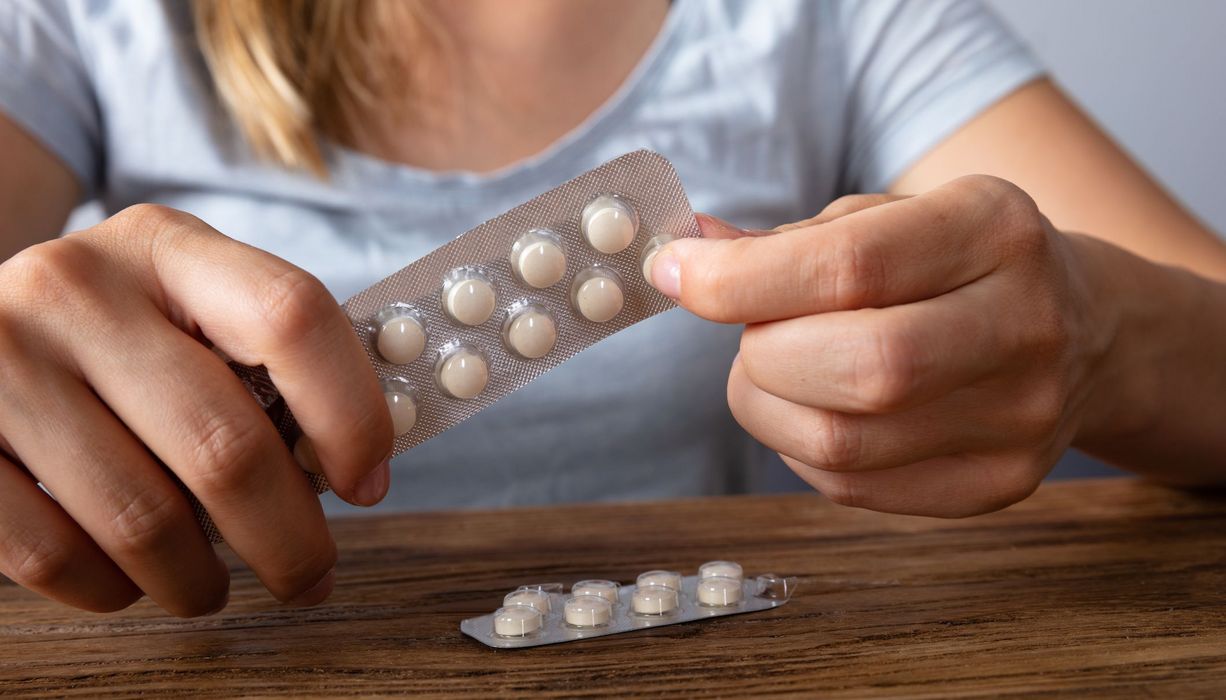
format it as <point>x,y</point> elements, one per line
<point>353,169</point>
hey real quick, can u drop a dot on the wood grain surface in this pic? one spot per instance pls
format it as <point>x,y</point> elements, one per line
<point>1097,588</point>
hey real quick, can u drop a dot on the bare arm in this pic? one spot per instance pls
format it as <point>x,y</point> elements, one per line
<point>1040,141</point>
<point>37,191</point>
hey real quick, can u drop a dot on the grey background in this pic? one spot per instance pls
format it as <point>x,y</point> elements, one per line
<point>1152,73</point>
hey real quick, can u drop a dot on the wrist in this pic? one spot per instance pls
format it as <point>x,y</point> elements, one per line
<point>1159,361</point>
<point>1127,305</point>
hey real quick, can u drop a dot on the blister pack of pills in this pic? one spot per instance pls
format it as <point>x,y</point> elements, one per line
<point>543,614</point>
<point>507,301</point>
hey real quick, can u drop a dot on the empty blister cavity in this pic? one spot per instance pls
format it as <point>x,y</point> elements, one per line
<point>650,250</point>
<point>774,587</point>
<point>533,598</point>
<point>654,600</point>
<point>530,331</point>
<point>609,224</point>
<point>538,258</point>
<point>728,569</point>
<point>587,611</point>
<point>668,579</point>
<point>468,296</point>
<point>517,621</point>
<point>401,403</point>
<point>597,294</point>
<point>461,371</point>
<point>719,591</point>
<point>400,334</point>
<point>597,587</point>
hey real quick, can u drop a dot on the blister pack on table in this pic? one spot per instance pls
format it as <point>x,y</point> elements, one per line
<point>539,614</point>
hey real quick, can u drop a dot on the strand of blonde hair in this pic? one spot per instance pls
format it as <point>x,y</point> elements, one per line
<point>293,72</point>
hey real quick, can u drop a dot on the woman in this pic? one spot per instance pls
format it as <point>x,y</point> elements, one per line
<point>931,354</point>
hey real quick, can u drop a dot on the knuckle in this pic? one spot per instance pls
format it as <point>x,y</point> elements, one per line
<point>148,522</point>
<point>50,273</point>
<point>40,563</point>
<point>884,374</point>
<point>853,275</point>
<point>226,452</point>
<point>293,304</point>
<point>843,491</point>
<point>1041,410</point>
<point>1014,216</point>
<point>151,218</point>
<point>834,443</point>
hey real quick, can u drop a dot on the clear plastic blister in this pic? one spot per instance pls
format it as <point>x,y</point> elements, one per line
<point>543,614</point>
<point>498,306</point>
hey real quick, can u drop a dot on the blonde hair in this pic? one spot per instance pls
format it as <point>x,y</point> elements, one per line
<point>291,72</point>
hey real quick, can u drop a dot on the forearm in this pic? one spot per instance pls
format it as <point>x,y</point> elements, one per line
<point>1158,400</point>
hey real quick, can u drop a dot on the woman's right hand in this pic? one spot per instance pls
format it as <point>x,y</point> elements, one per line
<point>106,375</point>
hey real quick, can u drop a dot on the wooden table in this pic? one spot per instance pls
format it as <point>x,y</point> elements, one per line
<point>1088,588</point>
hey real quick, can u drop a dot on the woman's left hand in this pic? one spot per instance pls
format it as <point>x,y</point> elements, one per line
<point>929,355</point>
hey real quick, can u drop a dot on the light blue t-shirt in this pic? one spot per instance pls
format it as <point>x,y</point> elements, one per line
<point>768,110</point>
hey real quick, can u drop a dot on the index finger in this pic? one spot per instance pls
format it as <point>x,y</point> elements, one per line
<point>261,310</point>
<point>899,252</point>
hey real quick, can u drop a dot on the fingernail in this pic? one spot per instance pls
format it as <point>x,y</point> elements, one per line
<point>315,594</point>
<point>373,487</point>
<point>666,273</point>
<point>715,227</point>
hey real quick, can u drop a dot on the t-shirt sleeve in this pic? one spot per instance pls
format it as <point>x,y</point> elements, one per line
<point>916,71</point>
<point>45,86</point>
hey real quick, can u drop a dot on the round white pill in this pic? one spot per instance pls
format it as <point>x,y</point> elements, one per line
<point>469,300</point>
<point>587,611</point>
<point>668,579</point>
<point>653,600</point>
<point>530,332</point>
<point>597,587</point>
<point>401,338</point>
<point>403,408</point>
<point>648,257</point>
<point>597,294</point>
<point>730,569</point>
<point>609,224</point>
<point>531,598</point>
<point>517,621</point>
<point>540,262</point>
<point>462,372</point>
<point>719,591</point>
